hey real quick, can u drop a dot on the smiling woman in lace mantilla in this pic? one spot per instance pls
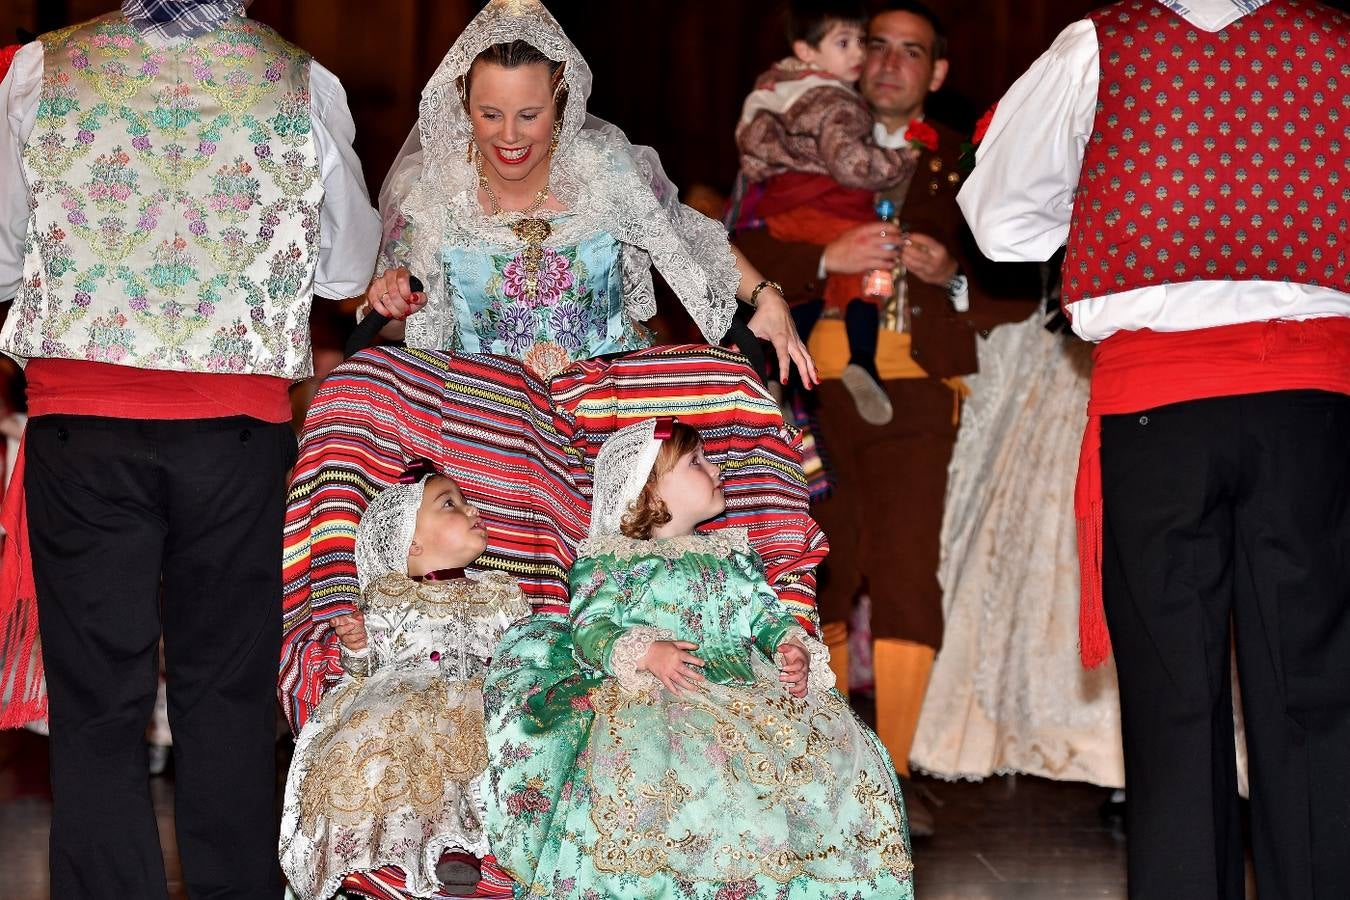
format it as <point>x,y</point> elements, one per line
<point>534,226</point>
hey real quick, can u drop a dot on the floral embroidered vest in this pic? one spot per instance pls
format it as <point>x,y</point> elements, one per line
<point>1215,156</point>
<point>176,190</point>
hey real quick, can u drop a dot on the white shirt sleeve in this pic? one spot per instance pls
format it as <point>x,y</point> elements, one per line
<point>1019,199</point>
<point>349,227</point>
<point>19,93</point>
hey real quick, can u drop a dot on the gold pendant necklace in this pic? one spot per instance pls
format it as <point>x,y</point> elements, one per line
<point>497,210</point>
<point>528,228</point>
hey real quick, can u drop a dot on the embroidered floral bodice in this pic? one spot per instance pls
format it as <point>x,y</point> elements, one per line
<point>576,312</point>
<point>453,626</point>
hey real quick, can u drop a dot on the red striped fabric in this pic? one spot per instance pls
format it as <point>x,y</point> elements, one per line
<point>390,884</point>
<point>743,430</point>
<point>521,454</point>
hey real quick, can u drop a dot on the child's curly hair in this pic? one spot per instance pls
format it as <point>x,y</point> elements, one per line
<point>649,511</point>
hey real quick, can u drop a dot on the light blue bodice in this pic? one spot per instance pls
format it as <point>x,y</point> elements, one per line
<point>577,313</point>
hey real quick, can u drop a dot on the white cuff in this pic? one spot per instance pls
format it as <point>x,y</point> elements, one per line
<point>628,651</point>
<point>819,675</point>
<point>821,272</point>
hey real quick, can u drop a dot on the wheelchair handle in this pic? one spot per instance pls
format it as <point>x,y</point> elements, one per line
<point>740,334</point>
<point>363,335</point>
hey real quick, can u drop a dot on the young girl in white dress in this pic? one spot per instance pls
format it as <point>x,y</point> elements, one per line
<point>386,772</point>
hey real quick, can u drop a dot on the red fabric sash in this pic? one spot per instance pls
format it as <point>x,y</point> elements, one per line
<point>78,387</point>
<point>1139,370</point>
<point>23,693</point>
<point>786,192</point>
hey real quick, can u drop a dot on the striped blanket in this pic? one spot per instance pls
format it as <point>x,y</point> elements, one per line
<point>521,450</point>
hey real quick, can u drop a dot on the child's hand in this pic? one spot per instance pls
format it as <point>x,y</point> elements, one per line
<point>796,666</point>
<point>673,665</point>
<point>351,630</point>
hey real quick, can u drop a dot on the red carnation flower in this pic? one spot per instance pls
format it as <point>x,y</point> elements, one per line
<point>922,136</point>
<point>7,57</point>
<point>982,126</point>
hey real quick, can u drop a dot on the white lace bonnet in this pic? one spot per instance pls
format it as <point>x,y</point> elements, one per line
<point>385,533</point>
<point>622,467</point>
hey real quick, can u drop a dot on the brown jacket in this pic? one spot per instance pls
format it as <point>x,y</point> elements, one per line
<point>943,340</point>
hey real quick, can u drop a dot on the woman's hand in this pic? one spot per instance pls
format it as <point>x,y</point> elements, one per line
<point>673,665</point>
<point>351,631</point>
<point>773,323</point>
<point>391,294</point>
<point>795,669</point>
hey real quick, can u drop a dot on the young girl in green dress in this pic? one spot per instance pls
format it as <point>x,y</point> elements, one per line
<point>686,740</point>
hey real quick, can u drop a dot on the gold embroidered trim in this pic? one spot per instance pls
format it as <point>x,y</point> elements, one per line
<point>632,836</point>
<point>410,755</point>
<point>721,543</point>
<point>482,596</point>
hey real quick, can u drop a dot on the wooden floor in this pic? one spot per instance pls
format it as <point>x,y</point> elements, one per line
<point>1018,838</point>
<point>1013,838</point>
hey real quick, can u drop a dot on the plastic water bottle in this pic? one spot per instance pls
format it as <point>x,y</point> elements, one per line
<point>879,284</point>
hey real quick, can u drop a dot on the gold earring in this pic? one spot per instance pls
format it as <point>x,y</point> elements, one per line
<point>557,134</point>
<point>468,155</point>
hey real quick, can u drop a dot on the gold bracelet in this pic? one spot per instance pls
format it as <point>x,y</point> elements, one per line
<point>754,295</point>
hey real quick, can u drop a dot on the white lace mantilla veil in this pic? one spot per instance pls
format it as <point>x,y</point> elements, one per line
<point>430,195</point>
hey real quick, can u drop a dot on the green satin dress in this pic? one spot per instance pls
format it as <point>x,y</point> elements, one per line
<point>603,784</point>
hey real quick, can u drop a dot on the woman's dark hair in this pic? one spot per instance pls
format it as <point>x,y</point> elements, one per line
<point>649,511</point>
<point>513,55</point>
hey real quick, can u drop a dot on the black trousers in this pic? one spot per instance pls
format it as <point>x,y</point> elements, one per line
<point>1229,519</point>
<point>119,509</point>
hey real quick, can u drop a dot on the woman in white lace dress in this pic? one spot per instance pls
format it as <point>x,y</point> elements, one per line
<point>1007,692</point>
<point>534,227</point>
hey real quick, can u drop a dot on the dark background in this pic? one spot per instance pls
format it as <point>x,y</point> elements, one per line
<point>671,74</point>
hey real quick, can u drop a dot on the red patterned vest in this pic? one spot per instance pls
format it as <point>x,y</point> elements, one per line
<point>1215,156</point>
